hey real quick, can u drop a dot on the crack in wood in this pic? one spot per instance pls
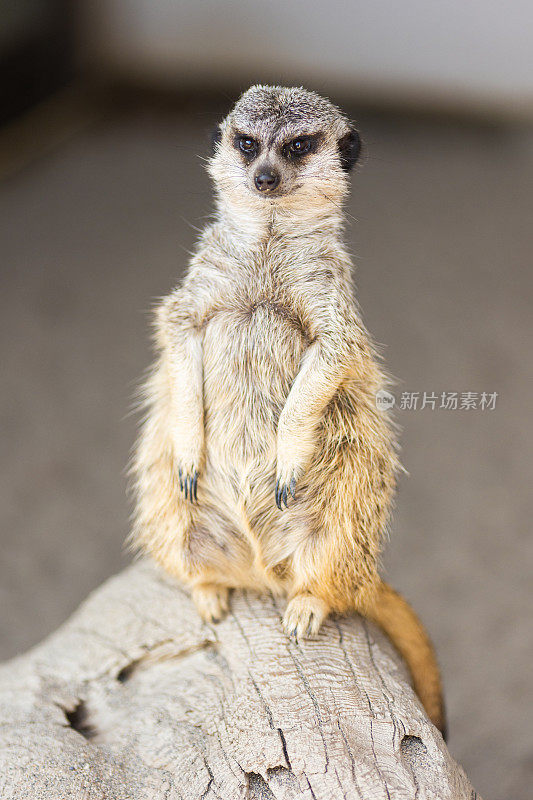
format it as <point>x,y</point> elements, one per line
<point>351,668</point>
<point>79,720</point>
<point>377,762</point>
<point>284,748</point>
<point>162,651</point>
<point>350,755</point>
<point>313,795</point>
<point>316,706</point>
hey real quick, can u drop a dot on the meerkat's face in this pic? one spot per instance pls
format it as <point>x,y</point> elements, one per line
<point>283,146</point>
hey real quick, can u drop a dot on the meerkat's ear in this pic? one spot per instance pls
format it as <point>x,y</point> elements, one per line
<point>349,149</point>
<point>216,136</point>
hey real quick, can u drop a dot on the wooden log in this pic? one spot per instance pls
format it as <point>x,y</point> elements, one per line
<point>134,698</point>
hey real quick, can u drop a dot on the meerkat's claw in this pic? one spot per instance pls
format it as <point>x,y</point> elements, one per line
<point>211,601</point>
<point>279,495</point>
<point>304,616</point>
<point>282,492</point>
<point>189,484</point>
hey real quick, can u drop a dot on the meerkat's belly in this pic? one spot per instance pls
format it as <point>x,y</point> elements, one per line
<point>251,357</point>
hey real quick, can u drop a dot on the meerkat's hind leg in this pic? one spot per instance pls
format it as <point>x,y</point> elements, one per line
<point>304,616</point>
<point>211,601</point>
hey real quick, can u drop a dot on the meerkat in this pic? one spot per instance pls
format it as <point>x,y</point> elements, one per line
<point>263,461</point>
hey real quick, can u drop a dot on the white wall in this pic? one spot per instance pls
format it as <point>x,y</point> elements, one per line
<point>463,52</point>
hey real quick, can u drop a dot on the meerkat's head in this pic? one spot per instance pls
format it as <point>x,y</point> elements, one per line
<point>285,148</point>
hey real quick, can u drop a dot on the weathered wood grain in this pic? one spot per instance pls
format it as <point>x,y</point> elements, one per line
<point>134,698</point>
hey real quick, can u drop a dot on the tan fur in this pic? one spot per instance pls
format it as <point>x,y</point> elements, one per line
<point>264,375</point>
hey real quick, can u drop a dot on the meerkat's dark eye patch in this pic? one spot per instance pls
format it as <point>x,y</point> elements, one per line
<point>301,146</point>
<point>248,146</point>
<point>349,149</point>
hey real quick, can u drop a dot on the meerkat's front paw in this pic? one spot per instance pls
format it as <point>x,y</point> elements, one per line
<point>189,457</point>
<point>211,601</point>
<point>293,456</point>
<point>304,616</point>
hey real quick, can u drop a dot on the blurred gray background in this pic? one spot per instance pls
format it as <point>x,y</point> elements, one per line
<point>102,197</point>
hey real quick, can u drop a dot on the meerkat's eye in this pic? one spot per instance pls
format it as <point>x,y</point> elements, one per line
<point>247,145</point>
<point>298,147</point>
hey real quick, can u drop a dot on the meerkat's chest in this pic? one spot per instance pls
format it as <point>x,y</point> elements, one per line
<point>253,345</point>
<point>252,351</point>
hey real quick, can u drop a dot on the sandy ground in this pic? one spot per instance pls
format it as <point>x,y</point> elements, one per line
<point>440,222</point>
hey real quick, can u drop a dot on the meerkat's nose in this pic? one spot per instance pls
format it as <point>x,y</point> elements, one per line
<point>266,180</point>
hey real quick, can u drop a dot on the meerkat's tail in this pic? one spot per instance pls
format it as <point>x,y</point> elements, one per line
<point>398,620</point>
